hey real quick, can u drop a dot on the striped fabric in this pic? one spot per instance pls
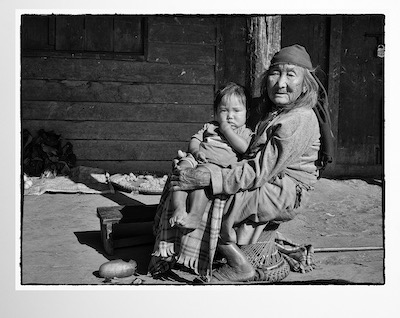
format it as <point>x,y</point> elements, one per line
<point>194,249</point>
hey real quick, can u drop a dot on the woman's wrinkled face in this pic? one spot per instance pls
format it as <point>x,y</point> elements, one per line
<point>232,110</point>
<point>285,83</point>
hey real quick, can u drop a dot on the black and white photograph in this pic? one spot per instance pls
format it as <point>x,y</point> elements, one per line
<point>119,116</point>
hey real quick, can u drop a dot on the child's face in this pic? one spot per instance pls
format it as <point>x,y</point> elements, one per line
<point>231,110</point>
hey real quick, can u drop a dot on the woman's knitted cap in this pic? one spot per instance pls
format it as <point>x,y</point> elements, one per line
<point>295,54</point>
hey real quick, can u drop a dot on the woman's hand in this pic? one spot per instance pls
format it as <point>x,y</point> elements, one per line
<point>189,179</point>
<point>200,157</point>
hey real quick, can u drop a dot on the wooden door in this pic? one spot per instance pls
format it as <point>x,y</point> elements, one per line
<point>360,116</point>
<point>344,47</point>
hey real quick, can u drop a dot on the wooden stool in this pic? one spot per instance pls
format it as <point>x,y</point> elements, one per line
<point>123,226</point>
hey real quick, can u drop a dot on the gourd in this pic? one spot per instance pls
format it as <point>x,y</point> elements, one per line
<point>117,268</point>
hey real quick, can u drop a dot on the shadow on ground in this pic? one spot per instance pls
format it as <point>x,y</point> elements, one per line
<point>121,199</point>
<point>141,254</point>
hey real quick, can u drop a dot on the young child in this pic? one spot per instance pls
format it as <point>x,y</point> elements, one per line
<point>221,142</point>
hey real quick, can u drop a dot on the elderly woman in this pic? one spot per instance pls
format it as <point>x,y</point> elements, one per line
<point>267,186</point>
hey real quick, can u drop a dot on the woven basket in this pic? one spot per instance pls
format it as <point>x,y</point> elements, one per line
<point>268,262</point>
<point>120,183</point>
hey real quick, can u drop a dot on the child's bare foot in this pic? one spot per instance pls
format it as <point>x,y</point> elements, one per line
<point>177,217</point>
<point>191,221</point>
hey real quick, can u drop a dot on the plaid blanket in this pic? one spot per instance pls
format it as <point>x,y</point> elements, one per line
<point>194,249</point>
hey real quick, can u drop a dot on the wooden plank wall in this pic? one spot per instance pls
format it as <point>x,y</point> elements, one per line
<point>126,115</point>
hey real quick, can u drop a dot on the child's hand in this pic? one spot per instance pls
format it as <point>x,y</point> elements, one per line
<point>175,162</point>
<point>200,157</point>
<point>224,127</point>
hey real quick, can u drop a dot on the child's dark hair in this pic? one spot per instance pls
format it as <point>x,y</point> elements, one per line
<point>232,89</point>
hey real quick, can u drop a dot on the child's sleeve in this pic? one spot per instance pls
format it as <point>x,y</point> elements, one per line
<point>248,134</point>
<point>200,134</point>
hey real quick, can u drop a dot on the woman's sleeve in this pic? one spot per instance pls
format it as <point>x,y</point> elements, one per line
<point>289,140</point>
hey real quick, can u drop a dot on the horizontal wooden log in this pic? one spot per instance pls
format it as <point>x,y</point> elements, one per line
<point>128,166</point>
<point>182,20</point>
<point>181,33</point>
<point>101,130</point>
<point>116,112</point>
<point>87,91</point>
<point>120,56</point>
<point>126,150</point>
<point>181,53</point>
<point>112,70</point>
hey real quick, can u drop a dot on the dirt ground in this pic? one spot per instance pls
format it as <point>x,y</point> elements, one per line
<point>61,242</point>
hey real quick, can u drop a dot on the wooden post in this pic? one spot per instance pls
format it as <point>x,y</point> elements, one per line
<point>335,50</point>
<point>264,42</point>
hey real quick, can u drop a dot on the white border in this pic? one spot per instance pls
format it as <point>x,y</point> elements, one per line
<point>273,301</point>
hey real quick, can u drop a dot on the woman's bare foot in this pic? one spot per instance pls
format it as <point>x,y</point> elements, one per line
<point>191,221</point>
<point>178,216</point>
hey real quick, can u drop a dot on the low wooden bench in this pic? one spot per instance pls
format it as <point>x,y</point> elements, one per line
<point>123,226</point>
